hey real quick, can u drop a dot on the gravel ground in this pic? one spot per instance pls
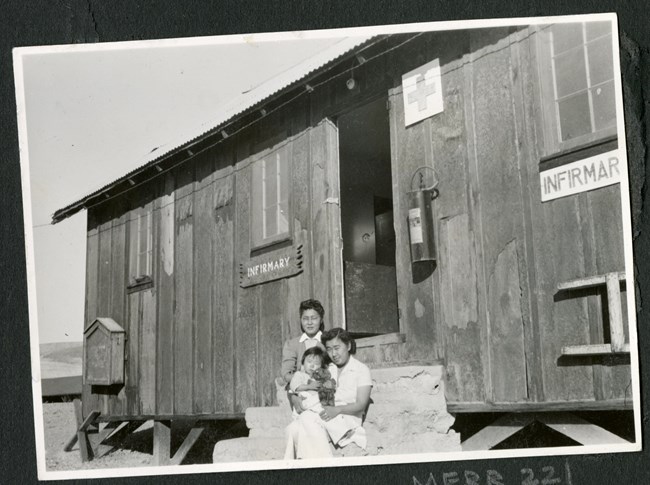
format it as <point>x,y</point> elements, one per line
<point>60,425</point>
<point>133,450</point>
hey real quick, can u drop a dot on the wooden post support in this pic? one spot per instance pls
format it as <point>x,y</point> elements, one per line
<point>579,430</point>
<point>82,436</point>
<point>97,447</point>
<point>186,446</point>
<point>568,424</point>
<point>495,433</point>
<point>162,432</point>
<point>616,330</point>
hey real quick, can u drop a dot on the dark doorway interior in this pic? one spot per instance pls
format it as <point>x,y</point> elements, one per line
<point>367,220</point>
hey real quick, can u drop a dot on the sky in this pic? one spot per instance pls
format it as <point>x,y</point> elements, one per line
<point>94,115</point>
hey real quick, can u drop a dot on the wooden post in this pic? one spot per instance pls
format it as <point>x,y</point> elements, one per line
<point>162,432</point>
<point>186,446</point>
<point>617,333</point>
<point>98,448</point>
<point>82,436</point>
<point>495,433</point>
<point>579,430</point>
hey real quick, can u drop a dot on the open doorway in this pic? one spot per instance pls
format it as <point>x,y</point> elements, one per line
<point>367,220</point>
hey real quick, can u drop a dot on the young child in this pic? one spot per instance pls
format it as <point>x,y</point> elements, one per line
<point>303,384</point>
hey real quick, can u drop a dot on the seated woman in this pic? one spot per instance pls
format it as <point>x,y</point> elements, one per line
<point>311,321</point>
<point>307,436</point>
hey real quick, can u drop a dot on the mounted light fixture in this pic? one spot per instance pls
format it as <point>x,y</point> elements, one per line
<point>420,217</point>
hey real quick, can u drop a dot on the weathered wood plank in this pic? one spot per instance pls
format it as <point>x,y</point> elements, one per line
<point>500,187</point>
<point>591,405</point>
<point>131,371</point>
<point>118,287</point>
<point>162,431</point>
<point>587,282</point>
<point>615,312</point>
<point>495,433</point>
<point>133,328</point>
<point>184,288</point>
<point>82,425</point>
<point>118,265</point>
<point>415,287</point>
<point>553,231</point>
<point>508,359</point>
<point>524,82</point>
<point>333,212</point>
<point>325,271</point>
<point>459,305</point>
<point>92,269</point>
<point>88,399</point>
<point>272,305</point>
<point>579,430</point>
<point>563,322</point>
<point>223,242</point>
<point>594,349</point>
<point>300,287</point>
<point>605,207</point>
<point>298,290</point>
<point>186,446</point>
<point>204,284</point>
<point>475,214</point>
<point>247,304</point>
<point>389,338</point>
<point>165,290</point>
<point>147,353</point>
<point>105,265</point>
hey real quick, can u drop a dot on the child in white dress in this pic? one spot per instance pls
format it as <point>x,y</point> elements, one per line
<point>304,384</point>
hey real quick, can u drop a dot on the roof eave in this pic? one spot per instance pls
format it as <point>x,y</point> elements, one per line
<point>141,172</point>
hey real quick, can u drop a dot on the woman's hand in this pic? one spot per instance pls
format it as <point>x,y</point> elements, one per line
<point>296,402</point>
<point>329,412</point>
<point>312,386</point>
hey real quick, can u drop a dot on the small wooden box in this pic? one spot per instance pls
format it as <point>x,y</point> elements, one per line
<point>104,353</point>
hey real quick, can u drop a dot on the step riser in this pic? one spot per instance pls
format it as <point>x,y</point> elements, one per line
<point>408,414</point>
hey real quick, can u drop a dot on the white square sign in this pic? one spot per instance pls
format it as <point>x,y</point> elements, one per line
<point>422,88</point>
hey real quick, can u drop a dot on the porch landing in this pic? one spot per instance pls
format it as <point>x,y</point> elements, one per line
<point>407,414</point>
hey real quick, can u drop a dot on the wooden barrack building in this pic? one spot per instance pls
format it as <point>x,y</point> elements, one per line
<point>202,255</point>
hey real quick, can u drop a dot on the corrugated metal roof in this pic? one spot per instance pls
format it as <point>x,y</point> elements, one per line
<point>231,111</point>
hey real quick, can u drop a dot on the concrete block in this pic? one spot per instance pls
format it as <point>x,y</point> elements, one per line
<point>249,449</point>
<point>270,417</point>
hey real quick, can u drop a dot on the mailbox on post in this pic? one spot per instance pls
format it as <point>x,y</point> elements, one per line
<point>103,353</point>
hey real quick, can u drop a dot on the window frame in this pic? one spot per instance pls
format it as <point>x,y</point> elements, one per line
<point>257,239</point>
<point>141,278</point>
<point>552,144</point>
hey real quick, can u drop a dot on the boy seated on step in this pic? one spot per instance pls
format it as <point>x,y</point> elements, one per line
<point>315,384</point>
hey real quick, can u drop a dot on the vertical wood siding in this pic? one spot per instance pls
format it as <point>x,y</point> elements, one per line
<point>197,343</point>
<point>165,272</point>
<point>184,321</point>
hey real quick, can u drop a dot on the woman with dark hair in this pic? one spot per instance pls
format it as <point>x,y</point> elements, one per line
<point>307,436</point>
<point>311,321</point>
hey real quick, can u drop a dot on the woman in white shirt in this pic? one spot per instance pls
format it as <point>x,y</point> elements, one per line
<point>306,436</point>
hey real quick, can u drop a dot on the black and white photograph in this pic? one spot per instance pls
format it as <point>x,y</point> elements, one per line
<point>393,244</point>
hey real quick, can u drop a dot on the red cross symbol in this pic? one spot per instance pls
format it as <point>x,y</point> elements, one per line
<point>421,92</point>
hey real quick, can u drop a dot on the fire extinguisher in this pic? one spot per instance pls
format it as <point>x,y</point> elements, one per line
<point>420,218</point>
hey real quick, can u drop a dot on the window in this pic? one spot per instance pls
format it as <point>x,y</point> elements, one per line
<point>577,74</point>
<point>141,248</point>
<point>270,198</point>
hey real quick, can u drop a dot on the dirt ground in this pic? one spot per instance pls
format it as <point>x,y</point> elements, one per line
<point>132,450</point>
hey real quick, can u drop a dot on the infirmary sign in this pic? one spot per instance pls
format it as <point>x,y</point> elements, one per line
<point>581,176</point>
<point>271,266</point>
